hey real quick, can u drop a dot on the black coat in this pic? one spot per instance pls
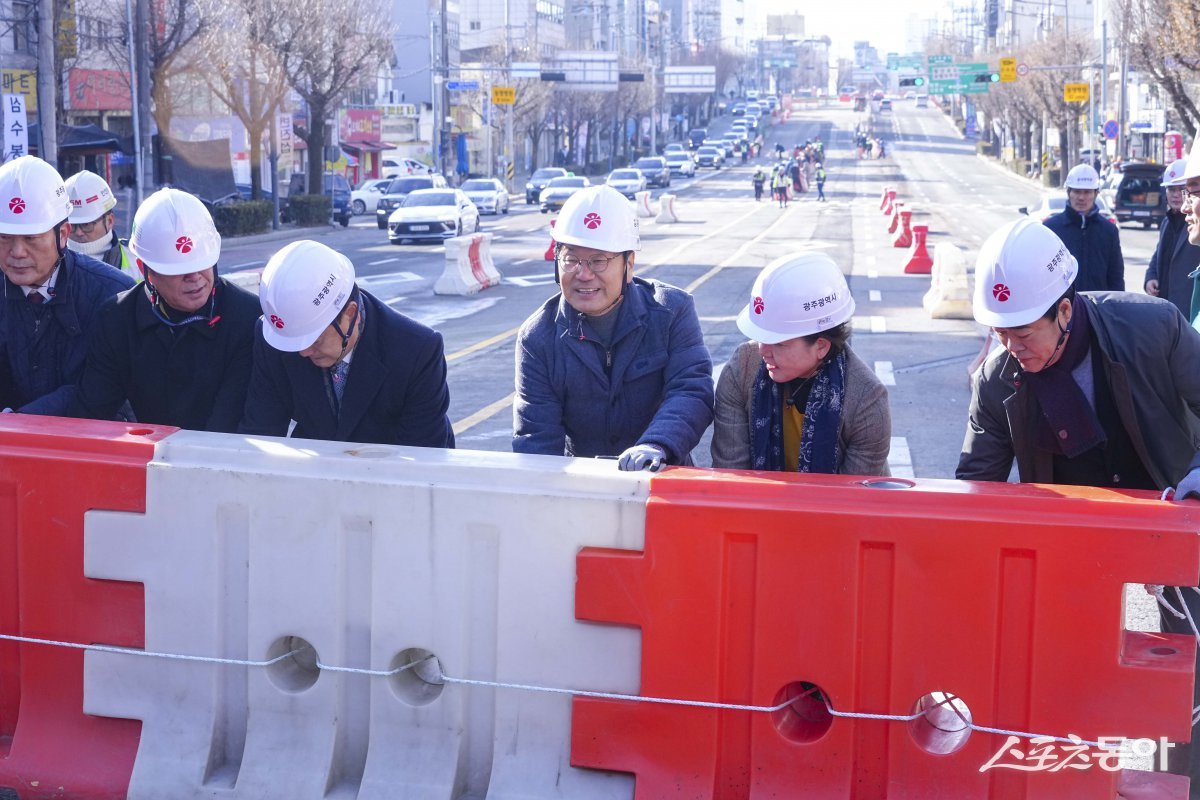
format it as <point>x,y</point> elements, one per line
<point>1174,258</point>
<point>1096,245</point>
<point>395,391</point>
<point>193,377</point>
<point>43,348</point>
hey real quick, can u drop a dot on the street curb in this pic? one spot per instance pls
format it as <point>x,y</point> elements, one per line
<point>288,232</point>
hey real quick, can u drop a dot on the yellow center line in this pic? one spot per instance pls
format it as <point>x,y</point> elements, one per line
<point>691,287</point>
<point>482,414</point>
<point>475,348</point>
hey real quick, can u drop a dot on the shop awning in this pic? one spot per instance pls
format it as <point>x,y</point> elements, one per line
<point>367,146</point>
<point>79,139</point>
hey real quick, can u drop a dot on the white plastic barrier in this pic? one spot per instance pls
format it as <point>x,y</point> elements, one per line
<point>469,266</point>
<point>642,202</point>
<point>666,209</point>
<point>369,553</point>
<point>949,295</point>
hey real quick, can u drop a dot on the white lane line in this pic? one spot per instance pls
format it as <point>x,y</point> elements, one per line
<point>381,261</point>
<point>872,274</point>
<point>875,296</point>
<point>900,458</point>
<point>885,373</point>
<point>396,277</point>
<point>523,261</point>
<point>878,325</point>
<point>247,265</point>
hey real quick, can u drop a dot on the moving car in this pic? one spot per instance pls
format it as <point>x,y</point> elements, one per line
<point>726,149</point>
<point>538,181</point>
<point>681,164</point>
<point>655,169</point>
<point>739,108</point>
<point>488,195</point>
<point>709,156</point>
<point>432,214</point>
<point>1139,196</point>
<point>366,197</point>
<point>674,147</point>
<point>1052,204</point>
<point>885,105</point>
<point>627,181</point>
<point>399,189</point>
<point>695,137</point>
<point>558,190</point>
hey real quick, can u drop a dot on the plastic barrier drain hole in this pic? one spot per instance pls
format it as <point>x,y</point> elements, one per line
<point>888,483</point>
<point>418,685</point>
<point>1163,651</point>
<point>945,726</point>
<point>807,719</point>
<point>298,671</point>
<point>139,431</point>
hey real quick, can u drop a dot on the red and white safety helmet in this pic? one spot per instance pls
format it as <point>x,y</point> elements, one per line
<point>1174,174</point>
<point>91,197</point>
<point>796,295</point>
<point>598,217</point>
<point>1022,270</point>
<point>173,234</point>
<point>304,287</point>
<point>33,197</point>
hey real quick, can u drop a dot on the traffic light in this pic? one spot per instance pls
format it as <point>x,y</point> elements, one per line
<point>988,77</point>
<point>917,81</point>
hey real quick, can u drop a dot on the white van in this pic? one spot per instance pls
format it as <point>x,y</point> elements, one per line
<point>922,101</point>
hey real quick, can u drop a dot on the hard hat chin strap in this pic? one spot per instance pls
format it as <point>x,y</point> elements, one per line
<point>354,322</point>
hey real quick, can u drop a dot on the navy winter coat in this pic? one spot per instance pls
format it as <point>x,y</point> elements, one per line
<point>1096,245</point>
<point>43,347</point>
<point>658,390</point>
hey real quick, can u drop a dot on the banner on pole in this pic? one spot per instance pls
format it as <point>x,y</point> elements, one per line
<point>16,133</point>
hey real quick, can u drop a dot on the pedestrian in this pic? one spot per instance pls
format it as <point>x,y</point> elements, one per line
<point>340,362</point>
<point>821,182</point>
<point>1090,238</point>
<point>51,293</point>
<point>178,346</point>
<point>1175,257</point>
<point>796,398</point>
<point>779,187</point>
<point>612,365</point>
<point>758,179</point>
<point>1090,388</point>
<point>92,220</point>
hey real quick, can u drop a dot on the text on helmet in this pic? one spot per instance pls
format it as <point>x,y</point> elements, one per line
<point>1058,259</point>
<point>325,290</point>
<point>821,302</point>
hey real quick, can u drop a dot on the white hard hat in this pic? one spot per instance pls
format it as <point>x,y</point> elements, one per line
<point>598,217</point>
<point>796,295</point>
<point>1174,174</point>
<point>33,197</point>
<point>173,234</point>
<point>304,287</point>
<point>1022,269</point>
<point>90,197</point>
<point>1082,176</point>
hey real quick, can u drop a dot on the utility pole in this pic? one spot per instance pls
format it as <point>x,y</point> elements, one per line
<point>445,90</point>
<point>138,166</point>
<point>142,99</point>
<point>509,152</point>
<point>47,81</point>
<point>1122,105</point>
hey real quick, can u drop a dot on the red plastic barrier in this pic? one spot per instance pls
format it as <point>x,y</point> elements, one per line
<point>884,199</point>
<point>51,472</point>
<point>895,223</point>
<point>887,203</point>
<point>919,260</point>
<point>904,236</point>
<point>550,249</point>
<point>1008,596</point>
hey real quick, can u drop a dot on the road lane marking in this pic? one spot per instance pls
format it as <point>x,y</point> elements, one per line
<point>872,273</point>
<point>691,287</point>
<point>875,296</point>
<point>885,373</point>
<point>878,325</point>
<point>395,277</point>
<point>900,458</point>
<point>487,412</point>
<point>381,261</point>
<point>475,348</point>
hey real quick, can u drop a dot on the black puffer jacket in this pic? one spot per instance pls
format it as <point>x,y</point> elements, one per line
<point>1096,245</point>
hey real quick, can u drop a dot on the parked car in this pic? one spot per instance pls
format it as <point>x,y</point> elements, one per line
<point>655,169</point>
<point>681,164</point>
<point>627,181</point>
<point>337,189</point>
<point>399,189</point>
<point>558,190</point>
<point>366,197</point>
<point>397,167</point>
<point>488,195</point>
<point>538,181</point>
<point>1139,196</point>
<point>432,214</point>
<point>695,137</point>
<point>1052,204</point>
<point>244,192</point>
<point>709,156</point>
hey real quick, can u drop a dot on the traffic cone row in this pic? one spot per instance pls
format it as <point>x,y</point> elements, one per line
<point>905,234</point>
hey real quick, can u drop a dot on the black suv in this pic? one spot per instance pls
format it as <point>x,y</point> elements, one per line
<point>538,181</point>
<point>398,189</point>
<point>696,137</point>
<point>1139,196</point>
<point>656,170</point>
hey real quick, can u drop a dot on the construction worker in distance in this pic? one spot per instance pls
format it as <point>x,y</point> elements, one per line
<point>1090,389</point>
<point>92,220</point>
<point>612,365</point>
<point>758,179</point>
<point>178,346</point>
<point>779,186</point>
<point>341,363</point>
<point>1174,259</point>
<point>1090,238</point>
<point>796,398</point>
<point>51,294</point>
<point>820,176</point>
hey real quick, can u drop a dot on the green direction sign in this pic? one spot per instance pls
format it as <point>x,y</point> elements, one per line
<point>949,78</point>
<point>898,62</point>
<point>940,60</point>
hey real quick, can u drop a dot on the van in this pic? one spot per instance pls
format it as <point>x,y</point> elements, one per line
<point>696,137</point>
<point>1139,197</point>
<point>922,101</point>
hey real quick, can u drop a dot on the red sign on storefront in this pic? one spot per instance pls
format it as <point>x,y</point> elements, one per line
<point>359,125</point>
<point>98,90</point>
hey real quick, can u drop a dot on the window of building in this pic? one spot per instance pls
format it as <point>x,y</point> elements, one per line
<point>550,10</point>
<point>474,25</point>
<point>23,26</point>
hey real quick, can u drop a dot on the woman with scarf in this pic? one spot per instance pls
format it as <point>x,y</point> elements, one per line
<point>796,398</point>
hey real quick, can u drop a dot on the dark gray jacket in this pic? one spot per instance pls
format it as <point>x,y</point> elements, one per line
<point>1173,260</point>
<point>1151,361</point>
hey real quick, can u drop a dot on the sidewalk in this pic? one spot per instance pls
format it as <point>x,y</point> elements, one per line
<point>285,233</point>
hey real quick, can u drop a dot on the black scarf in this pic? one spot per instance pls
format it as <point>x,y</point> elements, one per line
<point>1069,424</point>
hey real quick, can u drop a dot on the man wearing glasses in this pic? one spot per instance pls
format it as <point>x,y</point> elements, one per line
<point>1174,258</point>
<point>92,221</point>
<point>612,365</point>
<point>1191,217</point>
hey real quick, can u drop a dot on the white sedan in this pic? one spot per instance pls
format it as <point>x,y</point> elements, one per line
<point>366,197</point>
<point>488,195</point>
<point>432,214</point>
<point>681,164</point>
<point>627,181</point>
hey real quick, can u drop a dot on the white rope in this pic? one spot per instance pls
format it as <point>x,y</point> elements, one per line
<point>130,651</point>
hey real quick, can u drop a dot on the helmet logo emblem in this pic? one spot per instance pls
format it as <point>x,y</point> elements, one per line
<point>183,244</point>
<point>277,322</point>
<point>16,205</point>
<point>591,221</point>
<point>1001,292</point>
<point>758,305</point>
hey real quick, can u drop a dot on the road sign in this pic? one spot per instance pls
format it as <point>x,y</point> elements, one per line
<point>1008,70</point>
<point>935,60</point>
<point>1022,70</point>
<point>460,86</point>
<point>1076,92</point>
<point>504,95</point>
<point>1111,129</point>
